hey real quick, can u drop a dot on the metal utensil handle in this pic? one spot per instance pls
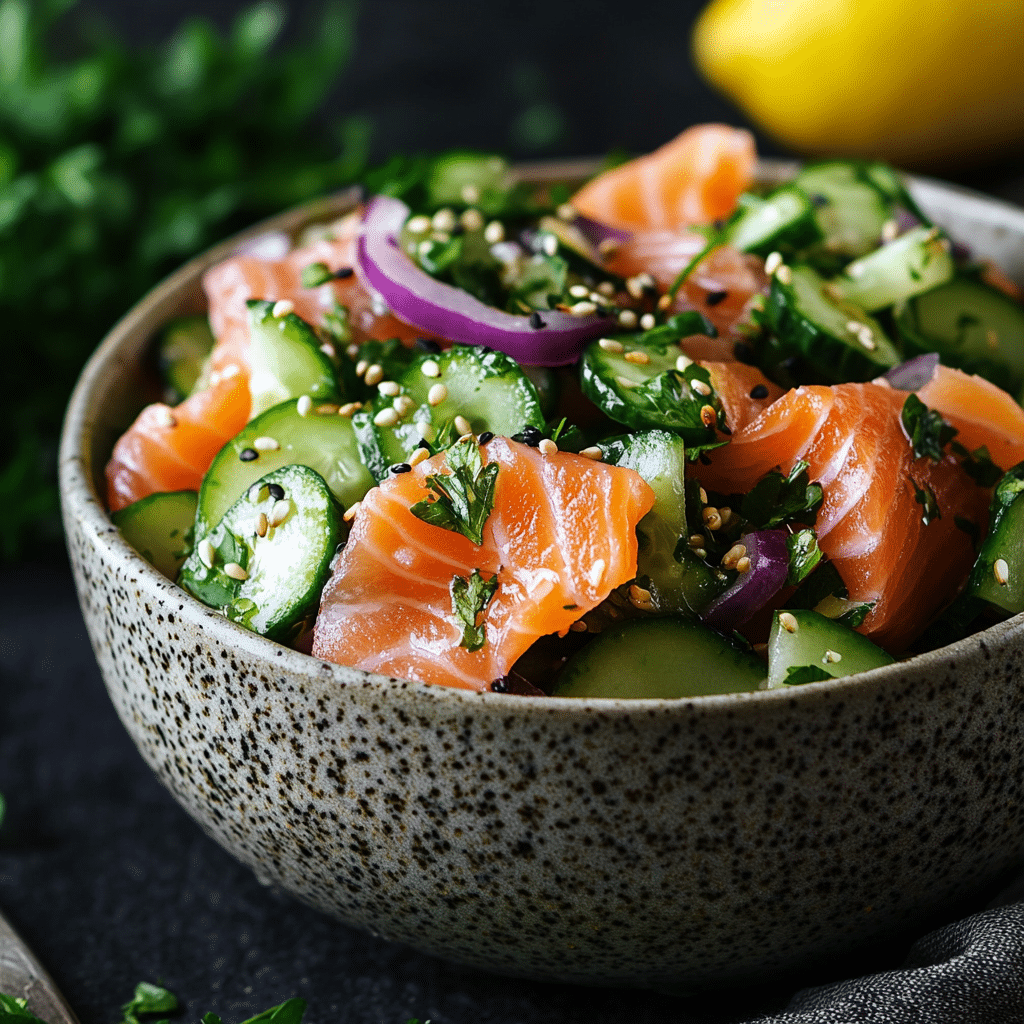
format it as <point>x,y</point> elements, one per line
<point>22,975</point>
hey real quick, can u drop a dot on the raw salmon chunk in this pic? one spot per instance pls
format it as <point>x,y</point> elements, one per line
<point>560,538</point>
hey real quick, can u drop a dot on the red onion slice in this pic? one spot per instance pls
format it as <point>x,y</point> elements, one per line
<point>914,373</point>
<point>753,589</point>
<point>596,232</point>
<point>448,312</point>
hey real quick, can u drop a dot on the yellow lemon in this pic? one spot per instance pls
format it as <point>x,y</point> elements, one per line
<point>918,83</point>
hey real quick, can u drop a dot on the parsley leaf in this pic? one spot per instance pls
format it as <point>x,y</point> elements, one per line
<point>15,1011</point>
<point>148,998</point>
<point>804,555</point>
<point>798,674</point>
<point>470,596</point>
<point>929,433</point>
<point>463,498</point>
<point>978,465</point>
<point>776,499</point>
<point>289,1012</point>
<point>925,497</point>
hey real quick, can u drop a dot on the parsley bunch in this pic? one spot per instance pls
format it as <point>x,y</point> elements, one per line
<point>116,165</point>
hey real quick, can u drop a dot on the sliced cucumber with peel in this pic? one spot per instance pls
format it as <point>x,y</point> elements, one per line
<point>160,528</point>
<point>804,646</point>
<point>184,346</point>
<point>324,442</point>
<point>998,574</point>
<point>678,582</point>
<point>784,221</point>
<point>914,263</point>
<point>286,360</point>
<point>271,554</point>
<point>660,657</point>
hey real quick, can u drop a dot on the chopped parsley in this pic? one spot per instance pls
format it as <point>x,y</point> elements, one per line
<point>804,555</point>
<point>290,1011</point>
<point>149,998</point>
<point>776,499</point>
<point>15,1011</point>
<point>796,675</point>
<point>462,499</point>
<point>825,592</point>
<point>470,596</point>
<point>929,433</point>
<point>978,465</point>
<point>316,274</point>
<point>925,497</point>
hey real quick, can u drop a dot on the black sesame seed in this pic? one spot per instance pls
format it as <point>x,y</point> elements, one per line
<point>535,321</point>
<point>759,391</point>
<point>276,491</point>
<point>486,436</point>
<point>743,352</point>
<point>500,685</point>
<point>531,436</point>
<point>485,350</point>
<point>457,230</point>
<point>428,345</point>
<point>248,454</point>
<point>343,272</point>
<point>718,224</point>
<point>401,467</point>
<point>819,200</point>
<point>714,298</point>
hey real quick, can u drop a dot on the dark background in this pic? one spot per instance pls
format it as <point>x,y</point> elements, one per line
<point>109,881</point>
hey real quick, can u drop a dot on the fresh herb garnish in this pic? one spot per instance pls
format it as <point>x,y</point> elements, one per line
<point>925,497</point>
<point>148,999</point>
<point>978,465</point>
<point>776,499</point>
<point>825,592</point>
<point>929,433</point>
<point>316,274</point>
<point>14,1010</point>
<point>796,675</point>
<point>290,1011</point>
<point>463,498</point>
<point>470,596</point>
<point>804,555</point>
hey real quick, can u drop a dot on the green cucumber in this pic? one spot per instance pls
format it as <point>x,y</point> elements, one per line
<point>804,646</point>
<point>660,657</point>
<point>486,388</point>
<point>325,443</point>
<point>972,326</point>
<point>785,221</point>
<point>645,381</point>
<point>840,341</point>
<point>911,264</point>
<point>160,528</point>
<point>266,562</point>
<point>184,346</point>
<point>461,179</point>
<point>998,574</point>
<point>286,360</point>
<point>678,580</point>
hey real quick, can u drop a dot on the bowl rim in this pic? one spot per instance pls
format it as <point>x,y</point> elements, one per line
<point>82,504</point>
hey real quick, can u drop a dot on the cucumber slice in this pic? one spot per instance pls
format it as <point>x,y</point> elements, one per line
<point>459,179</point>
<point>160,528</point>
<point>284,559</point>
<point>679,580</point>
<point>184,346</point>
<point>786,221</point>
<point>325,443</point>
<point>850,211</point>
<point>840,341</point>
<point>644,381</point>
<point>914,263</point>
<point>804,646</point>
<point>972,326</point>
<point>486,388</point>
<point>998,574</point>
<point>666,657</point>
<point>285,360</point>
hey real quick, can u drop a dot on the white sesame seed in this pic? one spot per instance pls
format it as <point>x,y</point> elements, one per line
<point>890,229</point>
<point>374,374</point>
<point>547,446</point>
<point>627,318</point>
<point>867,339</point>
<point>647,321</point>
<point>696,540</point>
<point>352,351</point>
<point>350,513</point>
<point>635,287</point>
<point>386,418</point>
<point>327,409</point>
<point>549,243</point>
<point>610,345</point>
<point>469,193</point>
<point>304,405</point>
<point>207,552</point>
<point>784,274</point>
<point>418,456</point>
<point>597,572</point>
<point>282,308</point>
<point>700,387</point>
<point>472,220</point>
<point>256,492</point>
<point>235,571</point>
<point>639,595</point>
<point>606,288</point>
<point>664,302</point>
<point>430,368</point>
<point>607,247</point>
<point>437,394</point>
<point>788,622</point>
<point>494,232</point>
<point>444,219</point>
<point>598,299</point>
<point>567,212</point>
<point>229,371</point>
<point>418,225</point>
<point>262,524</point>
<point>703,496</point>
<point>350,409</point>
<point>390,388</point>
<point>361,367</point>
<point>404,404</point>
<point>462,425</point>
<point>707,415</point>
<point>593,452</point>
<point>1001,571</point>
<point>328,350</point>
<point>424,248</point>
<point>637,358</point>
<point>440,236</point>
<point>579,291</point>
<point>772,263</point>
<point>266,444</point>
<point>280,511</point>
<point>626,382</point>
<point>682,362</point>
<point>165,418</point>
<point>831,657</point>
<point>468,436</point>
<point>712,520</point>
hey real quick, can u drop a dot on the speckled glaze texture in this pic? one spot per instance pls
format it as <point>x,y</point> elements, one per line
<point>595,841</point>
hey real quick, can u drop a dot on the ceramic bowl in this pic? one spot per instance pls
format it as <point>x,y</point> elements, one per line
<point>597,841</point>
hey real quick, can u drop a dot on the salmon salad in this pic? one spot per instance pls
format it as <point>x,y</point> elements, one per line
<point>669,433</point>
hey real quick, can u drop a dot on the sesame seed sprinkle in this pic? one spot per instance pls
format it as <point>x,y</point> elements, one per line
<point>470,193</point>
<point>664,302</point>
<point>610,345</point>
<point>759,391</point>
<point>248,455</point>
<point>350,513</point>
<point>266,444</point>
<point>472,220</point>
<point>486,437</point>
<point>418,225</point>
<point>784,274</point>
<point>579,291</point>
<point>743,564</point>
<point>593,452</point>
<point>361,367</point>
<point>831,657</point>
<point>401,467</point>
<point>165,418</point>
<point>494,232</point>
<point>262,524</point>
<point>700,387</point>
<point>536,322</point>
<point>647,321</point>
<point>430,368</point>
<point>404,404</point>
<point>583,308</point>
<point>349,409</point>
<point>707,415</point>
<point>715,297</point>
<point>418,456</point>
<point>627,318</point>
<point>788,622</point>
<point>772,263</point>
<point>579,626</point>
<point>280,511</point>
<point>386,418</point>
<point>437,394</point>
<point>682,362</point>
<point>235,571</point>
<point>547,447</point>
<point>328,350</point>
<point>304,406</point>
<point>637,357</point>
<point>566,211</point>
<point>374,375</point>
<point>390,388</point>
<point>1001,571</point>
<point>282,308</point>
<point>462,425</point>
<point>443,220</point>
<point>607,247</point>
<point>207,552</point>
<point>625,382</point>
<point>352,351</point>
<point>326,409</point>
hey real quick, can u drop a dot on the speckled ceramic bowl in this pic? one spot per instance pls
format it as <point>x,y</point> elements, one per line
<point>594,841</point>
